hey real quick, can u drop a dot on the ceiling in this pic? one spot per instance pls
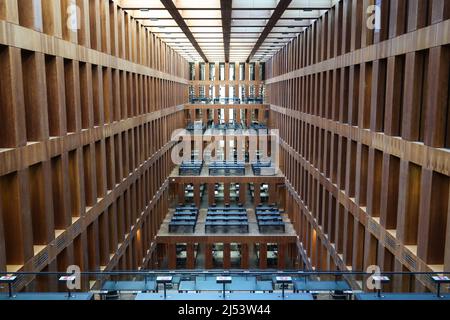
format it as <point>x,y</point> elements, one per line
<point>226,30</point>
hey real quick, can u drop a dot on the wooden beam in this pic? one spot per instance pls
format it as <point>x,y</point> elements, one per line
<point>170,6</point>
<point>226,8</point>
<point>279,10</point>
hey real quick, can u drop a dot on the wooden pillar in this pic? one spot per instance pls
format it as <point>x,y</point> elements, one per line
<point>197,195</point>
<point>205,116</point>
<point>9,11</point>
<point>16,217</point>
<point>211,194</point>
<point>162,252</point>
<point>181,189</point>
<point>227,115</point>
<point>217,77</point>
<point>2,244</point>
<point>227,78</point>
<point>398,281</point>
<point>226,256</point>
<point>207,65</point>
<point>437,97</point>
<point>33,67</point>
<point>236,87</point>
<point>41,203</point>
<point>257,78</point>
<point>216,116</point>
<point>226,193</point>
<point>190,256</point>
<point>244,256</point>
<point>358,245</point>
<point>447,241</point>
<point>208,256</point>
<point>257,192</point>
<point>261,115</point>
<point>72,34</point>
<point>193,115</point>
<point>273,194</point>
<point>13,131</point>
<point>30,14</point>
<point>172,256</point>
<point>263,256</point>
<point>243,193</point>
<point>247,79</point>
<point>433,213</point>
<point>281,256</point>
<point>197,77</point>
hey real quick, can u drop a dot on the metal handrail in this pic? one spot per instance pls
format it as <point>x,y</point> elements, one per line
<point>236,271</point>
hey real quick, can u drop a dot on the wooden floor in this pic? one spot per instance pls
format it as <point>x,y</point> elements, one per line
<point>205,173</point>
<point>200,229</point>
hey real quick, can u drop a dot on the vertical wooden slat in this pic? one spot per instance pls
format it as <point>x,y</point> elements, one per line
<point>84,31</point>
<point>394,96</point>
<point>409,202</point>
<point>13,131</point>
<point>378,96</point>
<point>72,83</point>
<point>69,20</point>
<point>33,67</point>
<point>30,14</point>
<point>433,217</point>
<point>2,244</point>
<point>41,204</point>
<point>412,103</point>
<point>95,27</point>
<point>436,106</point>
<point>16,218</point>
<point>9,11</point>
<point>52,24</point>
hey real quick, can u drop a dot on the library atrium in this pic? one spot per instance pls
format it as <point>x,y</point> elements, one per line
<point>224,149</point>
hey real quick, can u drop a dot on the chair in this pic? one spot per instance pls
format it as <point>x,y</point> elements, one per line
<point>338,295</point>
<point>112,295</point>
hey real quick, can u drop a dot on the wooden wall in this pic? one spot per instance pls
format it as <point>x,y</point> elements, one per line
<point>365,128</point>
<point>86,117</point>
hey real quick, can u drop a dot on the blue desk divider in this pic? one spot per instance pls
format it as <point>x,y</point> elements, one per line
<point>184,219</point>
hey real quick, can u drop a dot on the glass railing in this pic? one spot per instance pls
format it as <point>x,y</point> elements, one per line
<point>232,284</point>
